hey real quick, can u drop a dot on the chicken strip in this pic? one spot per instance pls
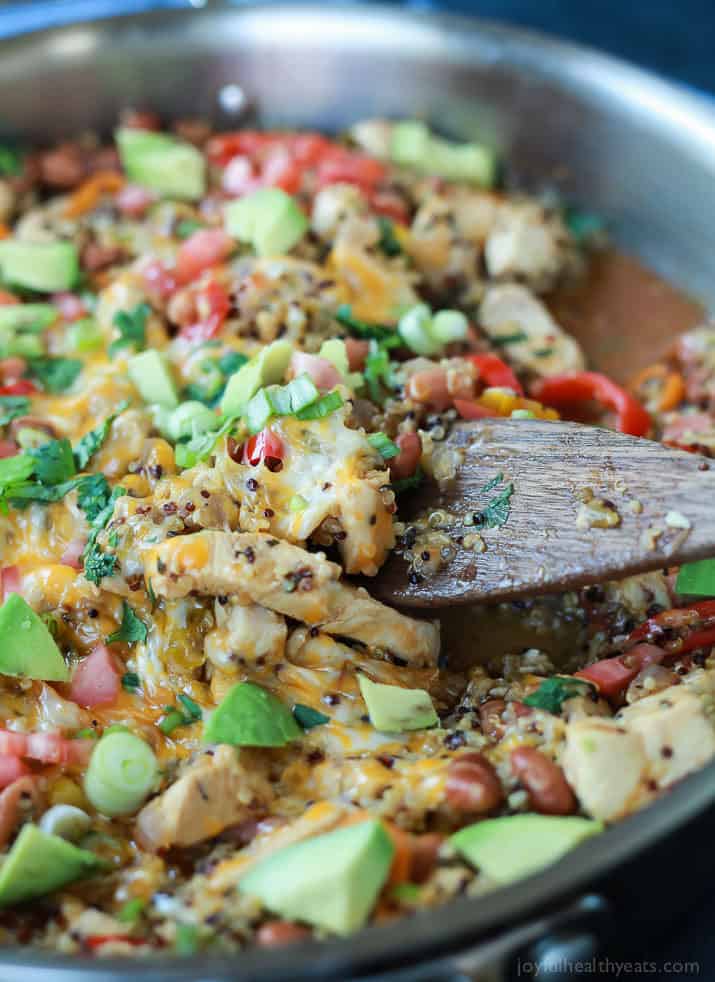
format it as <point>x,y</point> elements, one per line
<point>258,568</point>
<point>216,791</point>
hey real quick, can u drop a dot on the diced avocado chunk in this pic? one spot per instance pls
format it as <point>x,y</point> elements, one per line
<point>30,317</point>
<point>697,579</point>
<point>158,161</point>
<point>508,848</point>
<point>393,709</point>
<point>331,881</point>
<point>335,352</point>
<point>412,145</point>
<point>27,649</point>
<point>250,716</point>
<point>266,368</point>
<point>39,863</point>
<point>269,220</point>
<point>150,372</point>
<point>43,266</point>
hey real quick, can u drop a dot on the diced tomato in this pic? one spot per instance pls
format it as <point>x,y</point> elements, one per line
<point>391,205</point>
<point>281,170</point>
<point>7,298</point>
<point>96,680</point>
<point>322,372</point>
<point>405,463</point>
<point>350,168</point>
<point>613,675</point>
<point>10,581</point>
<point>23,387</point>
<point>206,248</point>
<point>70,306</point>
<point>264,446</point>
<point>134,200</point>
<point>159,281</point>
<point>223,147</point>
<point>11,768</point>
<point>495,372</point>
<point>213,304</point>
<point>8,448</point>
<point>50,748</point>
<point>567,392</point>
<point>98,940</point>
<point>469,409</point>
<point>239,177</point>
<point>693,625</point>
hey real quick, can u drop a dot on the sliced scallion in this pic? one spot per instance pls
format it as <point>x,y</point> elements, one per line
<point>384,445</point>
<point>322,407</point>
<point>122,773</point>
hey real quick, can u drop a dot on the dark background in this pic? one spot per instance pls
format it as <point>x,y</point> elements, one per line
<point>668,904</point>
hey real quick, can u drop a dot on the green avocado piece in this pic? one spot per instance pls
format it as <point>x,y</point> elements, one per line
<point>39,863</point>
<point>150,373</point>
<point>696,579</point>
<point>250,716</point>
<point>27,648</point>
<point>393,709</point>
<point>27,317</point>
<point>47,267</point>
<point>331,881</point>
<point>268,219</point>
<point>266,368</point>
<point>508,848</point>
<point>162,163</point>
<point>413,145</point>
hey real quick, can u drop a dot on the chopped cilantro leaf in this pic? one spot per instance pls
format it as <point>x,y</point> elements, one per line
<point>496,512</point>
<point>93,493</point>
<point>491,484</point>
<point>307,717</point>
<point>130,681</point>
<point>187,227</point>
<point>554,691</point>
<point>98,564</point>
<point>53,461</point>
<point>10,161</point>
<point>90,443</point>
<point>11,407</point>
<point>132,628</point>
<point>54,374</point>
<point>131,325</point>
<point>388,242</point>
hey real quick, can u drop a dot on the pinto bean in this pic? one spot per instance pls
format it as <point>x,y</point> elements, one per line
<point>104,159</point>
<point>423,856</point>
<point>430,389</point>
<point>139,119</point>
<point>95,256</point>
<point>549,791</point>
<point>405,463</point>
<point>193,130</point>
<point>274,934</point>
<point>63,167</point>
<point>473,785</point>
<point>490,718</point>
<point>357,351</point>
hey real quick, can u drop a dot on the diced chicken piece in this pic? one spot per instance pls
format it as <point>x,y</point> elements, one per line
<point>334,475</point>
<point>258,568</point>
<point>216,791</point>
<point>126,292</point>
<point>607,768</point>
<point>526,243</point>
<point>245,634</point>
<point>440,249</point>
<point>677,736</point>
<point>535,341</point>
<point>333,205</point>
<point>373,135</point>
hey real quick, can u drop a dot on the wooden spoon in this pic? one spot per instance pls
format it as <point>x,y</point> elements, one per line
<point>565,477</point>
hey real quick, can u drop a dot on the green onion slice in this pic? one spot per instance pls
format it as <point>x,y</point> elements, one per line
<point>122,772</point>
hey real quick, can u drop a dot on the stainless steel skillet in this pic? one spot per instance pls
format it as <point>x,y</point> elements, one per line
<point>624,143</point>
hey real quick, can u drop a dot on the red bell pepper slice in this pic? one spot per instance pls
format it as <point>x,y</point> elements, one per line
<point>469,409</point>
<point>696,619</point>
<point>564,392</point>
<point>265,445</point>
<point>23,387</point>
<point>495,373</point>
<point>612,675</point>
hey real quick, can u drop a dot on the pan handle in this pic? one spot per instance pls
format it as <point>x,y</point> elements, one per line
<point>544,949</point>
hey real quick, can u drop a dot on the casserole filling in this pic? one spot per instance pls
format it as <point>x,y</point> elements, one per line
<point>225,361</point>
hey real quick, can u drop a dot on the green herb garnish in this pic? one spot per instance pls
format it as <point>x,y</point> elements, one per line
<point>384,445</point>
<point>554,691</point>
<point>54,374</point>
<point>132,628</point>
<point>11,407</point>
<point>130,680</point>
<point>307,717</point>
<point>53,462</point>
<point>322,407</point>
<point>131,325</point>
<point>388,336</point>
<point>89,444</point>
<point>408,483</point>
<point>388,242</point>
<point>193,710</point>
<point>507,339</point>
<point>496,513</point>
